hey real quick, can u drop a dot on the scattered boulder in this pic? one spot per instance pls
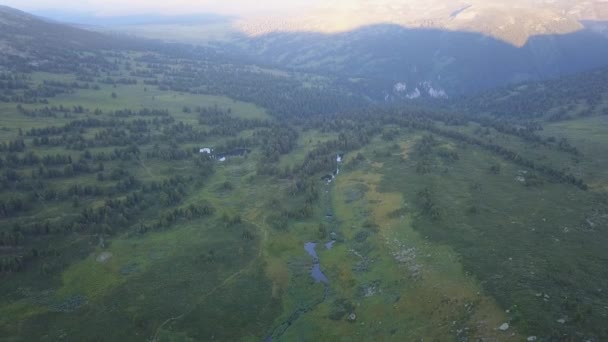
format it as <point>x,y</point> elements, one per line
<point>531,338</point>
<point>561,321</point>
<point>340,308</point>
<point>504,327</point>
<point>103,257</point>
<point>405,255</point>
<point>371,289</point>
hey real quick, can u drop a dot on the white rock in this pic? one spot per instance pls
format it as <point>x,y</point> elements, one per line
<point>414,95</point>
<point>504,327</point>
<point>103,257</point>
<point>531,338</point>
<point>400,87</point>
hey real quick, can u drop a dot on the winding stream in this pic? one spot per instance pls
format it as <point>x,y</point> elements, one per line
<point>316,273</point>
<point>319,277</point>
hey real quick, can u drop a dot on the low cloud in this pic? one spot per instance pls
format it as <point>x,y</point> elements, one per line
<point>122,7</point>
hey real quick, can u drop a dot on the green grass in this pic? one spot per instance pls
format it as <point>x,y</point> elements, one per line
<point>496,245</point>
<point>159,275</point>
<point>517,241</point>
<point>590,136</point>
<point>403,306</point>
<point>149,97</point>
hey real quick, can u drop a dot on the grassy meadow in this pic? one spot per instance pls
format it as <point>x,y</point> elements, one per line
<point>430,238</point>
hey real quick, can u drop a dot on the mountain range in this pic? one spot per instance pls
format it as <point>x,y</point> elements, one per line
<point>513,22</point>
<point>400,51</point>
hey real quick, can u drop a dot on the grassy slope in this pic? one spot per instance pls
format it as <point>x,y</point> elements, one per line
<point>467,268</point>
<point>391,300</point>
<point>591,137</point>
<point>150,278</point>
<point>517,241</point>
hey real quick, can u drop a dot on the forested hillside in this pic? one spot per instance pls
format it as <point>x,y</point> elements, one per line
<point>578,96</point>
<point>457,62</point>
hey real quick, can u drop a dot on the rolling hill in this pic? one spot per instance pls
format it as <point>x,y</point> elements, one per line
<point>435,48</point>
<point>460,47</point>
<point>32,42</point>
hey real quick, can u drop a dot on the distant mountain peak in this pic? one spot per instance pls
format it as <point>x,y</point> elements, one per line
<point>513,22</point>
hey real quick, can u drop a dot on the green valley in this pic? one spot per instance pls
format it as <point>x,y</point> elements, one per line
<point>164,192</point>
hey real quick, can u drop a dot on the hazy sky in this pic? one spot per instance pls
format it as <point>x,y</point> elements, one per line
<point>242,7</point>
<point>125,7</point>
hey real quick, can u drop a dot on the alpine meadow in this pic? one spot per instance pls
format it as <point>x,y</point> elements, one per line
<point>351,171</point>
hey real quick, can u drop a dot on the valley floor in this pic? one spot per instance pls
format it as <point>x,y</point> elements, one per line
<point>115,227</point>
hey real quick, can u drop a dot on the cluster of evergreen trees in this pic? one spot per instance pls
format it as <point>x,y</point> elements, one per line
<point>17,145</point>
